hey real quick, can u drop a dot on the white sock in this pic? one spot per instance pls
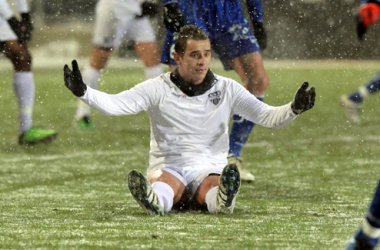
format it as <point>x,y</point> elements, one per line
<point>151,72</point>
<point>165,194</point>
<point>363,91</point>
<point>211,199</point>
<point>369,230</point>
<point>91,78</point>
<point>23,84</point>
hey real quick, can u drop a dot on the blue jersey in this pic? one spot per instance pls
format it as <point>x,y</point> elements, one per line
<point>369,1</point>
<point>255,7</point>
<point>223,20</point>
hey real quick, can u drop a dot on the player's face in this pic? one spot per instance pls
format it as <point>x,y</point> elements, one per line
<point>195,62</point>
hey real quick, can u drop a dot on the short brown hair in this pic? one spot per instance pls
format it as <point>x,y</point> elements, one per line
<point>188,32</point>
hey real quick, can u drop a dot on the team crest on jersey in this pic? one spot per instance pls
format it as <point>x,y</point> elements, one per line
<point>215,97</point>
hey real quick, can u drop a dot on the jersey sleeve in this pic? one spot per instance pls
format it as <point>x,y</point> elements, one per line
<point>255,10</point>
<point>5,10</point>
<point>22,6</point>
<point>142,97</point>
<point>251,108</point>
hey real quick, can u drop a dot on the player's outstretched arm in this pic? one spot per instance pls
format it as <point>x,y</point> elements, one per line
<point>73,79</point>
<point>304,99</point>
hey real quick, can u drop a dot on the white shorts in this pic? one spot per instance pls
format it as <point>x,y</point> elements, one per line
<point>140,30</point>
<point>191,176</point>
<point>6,32</point>
<point>115,19</point>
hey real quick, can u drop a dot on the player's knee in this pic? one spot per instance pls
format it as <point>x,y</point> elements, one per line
<point>22,61</point>
<point>208,183</point>
<point>258,85</point>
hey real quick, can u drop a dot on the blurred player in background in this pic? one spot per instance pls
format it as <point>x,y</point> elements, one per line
<point>14,35</point>
<point>367,237</point>
<point>237,46</point>
<point>368,14</point>
<point>115,20</point>
<point>189,111</point>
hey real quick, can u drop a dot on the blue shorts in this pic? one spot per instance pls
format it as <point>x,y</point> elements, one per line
<point>229,32</point>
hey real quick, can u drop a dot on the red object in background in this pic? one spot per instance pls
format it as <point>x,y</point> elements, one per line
<point>369,14</point>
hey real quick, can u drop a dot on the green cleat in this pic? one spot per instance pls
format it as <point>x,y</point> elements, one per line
<point>86,123</point>
<point>35,135</point>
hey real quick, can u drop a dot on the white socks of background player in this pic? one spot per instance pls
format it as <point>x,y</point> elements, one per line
<point>165,195</point>
<point>23,84</point>
<point>210,200</point>
<point>151,72</point>
<point>369,230</point>
<point>91,78</point>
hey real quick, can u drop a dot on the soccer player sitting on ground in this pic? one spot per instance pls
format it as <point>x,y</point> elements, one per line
<point>367,237</point>
<point>189,111</point>
<point>238,48</point>
<point>14,35</point>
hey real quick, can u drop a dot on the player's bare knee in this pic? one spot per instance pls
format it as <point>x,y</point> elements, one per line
<point>208,183</point>
<point>22,61</point>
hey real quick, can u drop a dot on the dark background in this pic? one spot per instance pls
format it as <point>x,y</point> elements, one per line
<point>298,29</point>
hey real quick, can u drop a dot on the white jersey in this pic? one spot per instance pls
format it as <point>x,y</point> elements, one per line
<point>189,131</point>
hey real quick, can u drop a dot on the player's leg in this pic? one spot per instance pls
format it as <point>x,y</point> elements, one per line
<point>110,26</point>
<point>91,75</point>
<point>218,192</point>
<point>251,70</point>
<point>242,55</point>
<point>159,197</point>
<point>146,46</point>
<point>368,235</point>
<point>352,102</point>
<point>24,88</point>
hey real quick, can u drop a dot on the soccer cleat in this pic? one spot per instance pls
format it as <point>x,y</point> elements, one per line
<point>351,109</point>
<point>245,175</point>
<point>229,183</point>
<point>35,135</point>
<point>86,123</point>
<point>362,242</point>
<point>143,193</point>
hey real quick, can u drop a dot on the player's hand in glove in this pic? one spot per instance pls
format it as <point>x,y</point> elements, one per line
<point>304,99</point>
<point>16,25</point>
<point>148,8</point>
<point>73,79</point>
<point>173,18</point>
<point>26,27</point>
<point>368,15</point>
<point>260,34</point>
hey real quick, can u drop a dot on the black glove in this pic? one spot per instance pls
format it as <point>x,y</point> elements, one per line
<point>173,18</point>
<point>304,99</point>
<point>73,79</point>
<point>148,9</point>
<point>260,34</point>
<point>16,25</point>
<point>26,27</point>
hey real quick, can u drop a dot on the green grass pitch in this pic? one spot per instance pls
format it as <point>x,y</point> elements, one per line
<point>315,177</point>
